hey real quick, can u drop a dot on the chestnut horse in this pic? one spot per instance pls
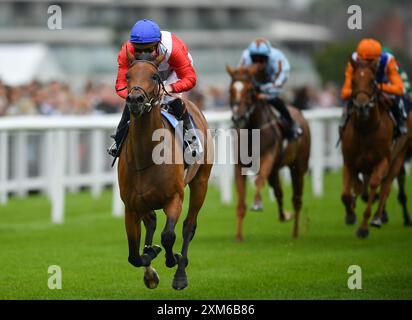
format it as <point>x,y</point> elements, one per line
<point>249,113</point>
<point>146,186</point>
<point>368,149</point>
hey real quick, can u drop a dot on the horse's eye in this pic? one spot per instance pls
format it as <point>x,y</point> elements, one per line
<point>155,77</point>
<point>127,76</point>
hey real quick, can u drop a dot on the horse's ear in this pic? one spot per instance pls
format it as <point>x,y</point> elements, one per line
<point>160,59</point>
<point>129,56</point>
<point>230,70</point>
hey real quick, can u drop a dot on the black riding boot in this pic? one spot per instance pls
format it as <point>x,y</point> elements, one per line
<point>293,130</point>
<point>347,112</point>
<point>120,134</point>
<point>178,109</point>
<point>400,117</point>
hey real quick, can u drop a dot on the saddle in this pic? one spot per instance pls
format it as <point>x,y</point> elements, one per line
<point>177,126</point>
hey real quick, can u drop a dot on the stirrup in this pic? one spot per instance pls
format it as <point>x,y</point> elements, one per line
<point>193,144</point>
<point>295,132</point>
<point>112,150</point>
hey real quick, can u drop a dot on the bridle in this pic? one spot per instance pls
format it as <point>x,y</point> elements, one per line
<point>145,102</point>
<point>373,97</point>
<point>250,104</point>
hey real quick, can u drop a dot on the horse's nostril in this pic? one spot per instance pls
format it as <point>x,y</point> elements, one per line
<point>140,99</point>
<point>135,98</point>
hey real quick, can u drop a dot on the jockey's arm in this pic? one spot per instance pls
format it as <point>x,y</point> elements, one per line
<point>281,75</point>
<point>180,61</point>
<point>243,58</point>
<point>395,85</point>
<point>346,92</point>
<point>123,66</point>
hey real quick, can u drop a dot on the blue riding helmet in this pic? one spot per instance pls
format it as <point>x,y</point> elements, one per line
<point>259,48</point>
<point>145,31</point>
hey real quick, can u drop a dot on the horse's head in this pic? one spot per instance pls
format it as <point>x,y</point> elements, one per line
<point>144,84</point>
<point>242,94</point>
<point>364,87</point>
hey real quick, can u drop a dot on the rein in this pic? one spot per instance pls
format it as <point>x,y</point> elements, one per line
<point>373,100</point>
<point>148,102</point>
<point>146,105</point>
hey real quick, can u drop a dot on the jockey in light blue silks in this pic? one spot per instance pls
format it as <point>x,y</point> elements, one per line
<point>276,72</point>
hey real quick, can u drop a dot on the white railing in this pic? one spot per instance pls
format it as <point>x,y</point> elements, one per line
<point>64,153</point>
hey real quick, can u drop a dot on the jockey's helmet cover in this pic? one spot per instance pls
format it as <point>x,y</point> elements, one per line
<point>259,47</point>
<point>145,31</point>
<point>369,49</point>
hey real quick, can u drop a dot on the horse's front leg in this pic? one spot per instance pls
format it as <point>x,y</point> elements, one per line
<point>402,198</point>
<point>198,190</point>
<point>266,164</point>
<point>347,197</point>
<point>379,172</point>
<point>133,230</point>
<point>172,211</point>
<point>151,278</point>
<point>395,170</point>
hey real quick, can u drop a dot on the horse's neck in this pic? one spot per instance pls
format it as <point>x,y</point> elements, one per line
<point>140,141</point>
<point>371,122</point>
<point>257,118</point>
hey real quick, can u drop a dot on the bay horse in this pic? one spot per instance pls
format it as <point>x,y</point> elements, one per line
<point>250,112</point>
<point>368,148</point>
<point>146,186</point>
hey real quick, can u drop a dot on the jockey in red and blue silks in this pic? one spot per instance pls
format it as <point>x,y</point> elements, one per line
<point>276,70</point>
<point>176,71</point>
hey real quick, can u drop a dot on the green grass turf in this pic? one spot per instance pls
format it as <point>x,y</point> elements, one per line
<point>91,249</point>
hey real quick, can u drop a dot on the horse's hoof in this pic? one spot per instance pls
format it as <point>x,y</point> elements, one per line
<point>376,222</point>
<point>256,207</point>
<point>239,238</point>
<point>287,216</point>
<point>180,280</point>
<point>350,219</point>
<point>362,233</point>
<point>407,223</point>
<point>151,278</point>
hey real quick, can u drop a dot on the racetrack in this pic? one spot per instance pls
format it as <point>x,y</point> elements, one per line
<point>92,251</point>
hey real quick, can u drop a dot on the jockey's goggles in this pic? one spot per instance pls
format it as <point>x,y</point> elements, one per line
<point>258,58</point>
<point>145,48</point>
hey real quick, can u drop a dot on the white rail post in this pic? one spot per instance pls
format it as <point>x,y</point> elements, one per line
<point>4,153</point>
<point>97,161</point>
<point>117,203</point>
<point>73,158</point>
<point>334,152</point>
<point>317,156</point>
<point>58,175</point>
<point>225,168</point>
<point>21,166</point>
<point>48,161</point>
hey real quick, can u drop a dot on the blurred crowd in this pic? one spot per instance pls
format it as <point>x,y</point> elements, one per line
<point>56,98</point>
